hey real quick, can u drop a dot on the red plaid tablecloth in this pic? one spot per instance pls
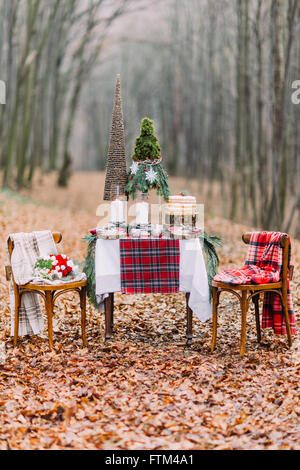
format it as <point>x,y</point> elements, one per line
<point>264,265</point>
<point>149,266</point>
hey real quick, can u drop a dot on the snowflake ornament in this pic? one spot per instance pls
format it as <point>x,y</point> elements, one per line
<point>151,176</point>
<point>134,168</point>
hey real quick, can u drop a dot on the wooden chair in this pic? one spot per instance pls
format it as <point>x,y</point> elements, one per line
<point>49,294</point>
<point>247,292</point>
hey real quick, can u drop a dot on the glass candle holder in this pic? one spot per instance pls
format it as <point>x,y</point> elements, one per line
<point>142,209</point>
<point>117,206</point>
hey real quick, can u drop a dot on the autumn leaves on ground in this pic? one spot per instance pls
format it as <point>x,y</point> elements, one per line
<point>144,389</point>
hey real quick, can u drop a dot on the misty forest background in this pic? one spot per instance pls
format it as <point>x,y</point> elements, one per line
<point>216,76</point>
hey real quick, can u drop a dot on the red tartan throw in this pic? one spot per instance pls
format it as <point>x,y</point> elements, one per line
<point>263,265</point>
<point>149,266</point>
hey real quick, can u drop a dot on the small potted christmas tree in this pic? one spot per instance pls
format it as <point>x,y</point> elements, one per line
<point>146,171</point>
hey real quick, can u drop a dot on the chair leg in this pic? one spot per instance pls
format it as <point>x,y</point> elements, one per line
<point>16,322</point>
<point>256,306</point>
<point>189,322</point>
<point>286,317</point>
<point>49,310</point>
<point>244,307</point>
<point>215,318</point>
<point>82,294</point>
<point>108,320</point>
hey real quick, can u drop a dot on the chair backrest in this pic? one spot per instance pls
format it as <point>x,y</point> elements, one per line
<point>284,242</point>
<point>57,237</point>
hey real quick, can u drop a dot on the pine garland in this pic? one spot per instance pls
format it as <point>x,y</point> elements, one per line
<point>209,244</point>
<point>89,269</point>
<point>138,181</point>
<point>212,259</point>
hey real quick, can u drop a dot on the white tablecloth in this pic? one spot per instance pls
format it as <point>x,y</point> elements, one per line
<point>192,278</point>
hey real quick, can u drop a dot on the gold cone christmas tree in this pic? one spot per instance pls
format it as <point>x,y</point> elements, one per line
<point>116,172</point>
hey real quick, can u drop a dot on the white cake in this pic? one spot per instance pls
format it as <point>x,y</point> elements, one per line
<point>181,205</point>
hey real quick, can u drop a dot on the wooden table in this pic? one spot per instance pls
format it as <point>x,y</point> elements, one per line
<point>192,281</point>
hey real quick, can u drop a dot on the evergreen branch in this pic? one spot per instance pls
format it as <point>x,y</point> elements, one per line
<point>212,259</point>
<point>89,269</point>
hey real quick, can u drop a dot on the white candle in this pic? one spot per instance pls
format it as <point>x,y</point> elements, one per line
<point>142,213</point>
<point>117,212</point>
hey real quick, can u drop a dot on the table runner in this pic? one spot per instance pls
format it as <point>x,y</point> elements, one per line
<point>149,266</point>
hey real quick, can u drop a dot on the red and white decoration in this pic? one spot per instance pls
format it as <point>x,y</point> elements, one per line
<point>53,266</point>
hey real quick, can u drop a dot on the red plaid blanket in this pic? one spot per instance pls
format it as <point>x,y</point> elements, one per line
<point>263,265</point>
<point>149,266</point>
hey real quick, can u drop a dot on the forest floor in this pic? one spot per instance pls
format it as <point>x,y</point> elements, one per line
<point>143,389</point>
